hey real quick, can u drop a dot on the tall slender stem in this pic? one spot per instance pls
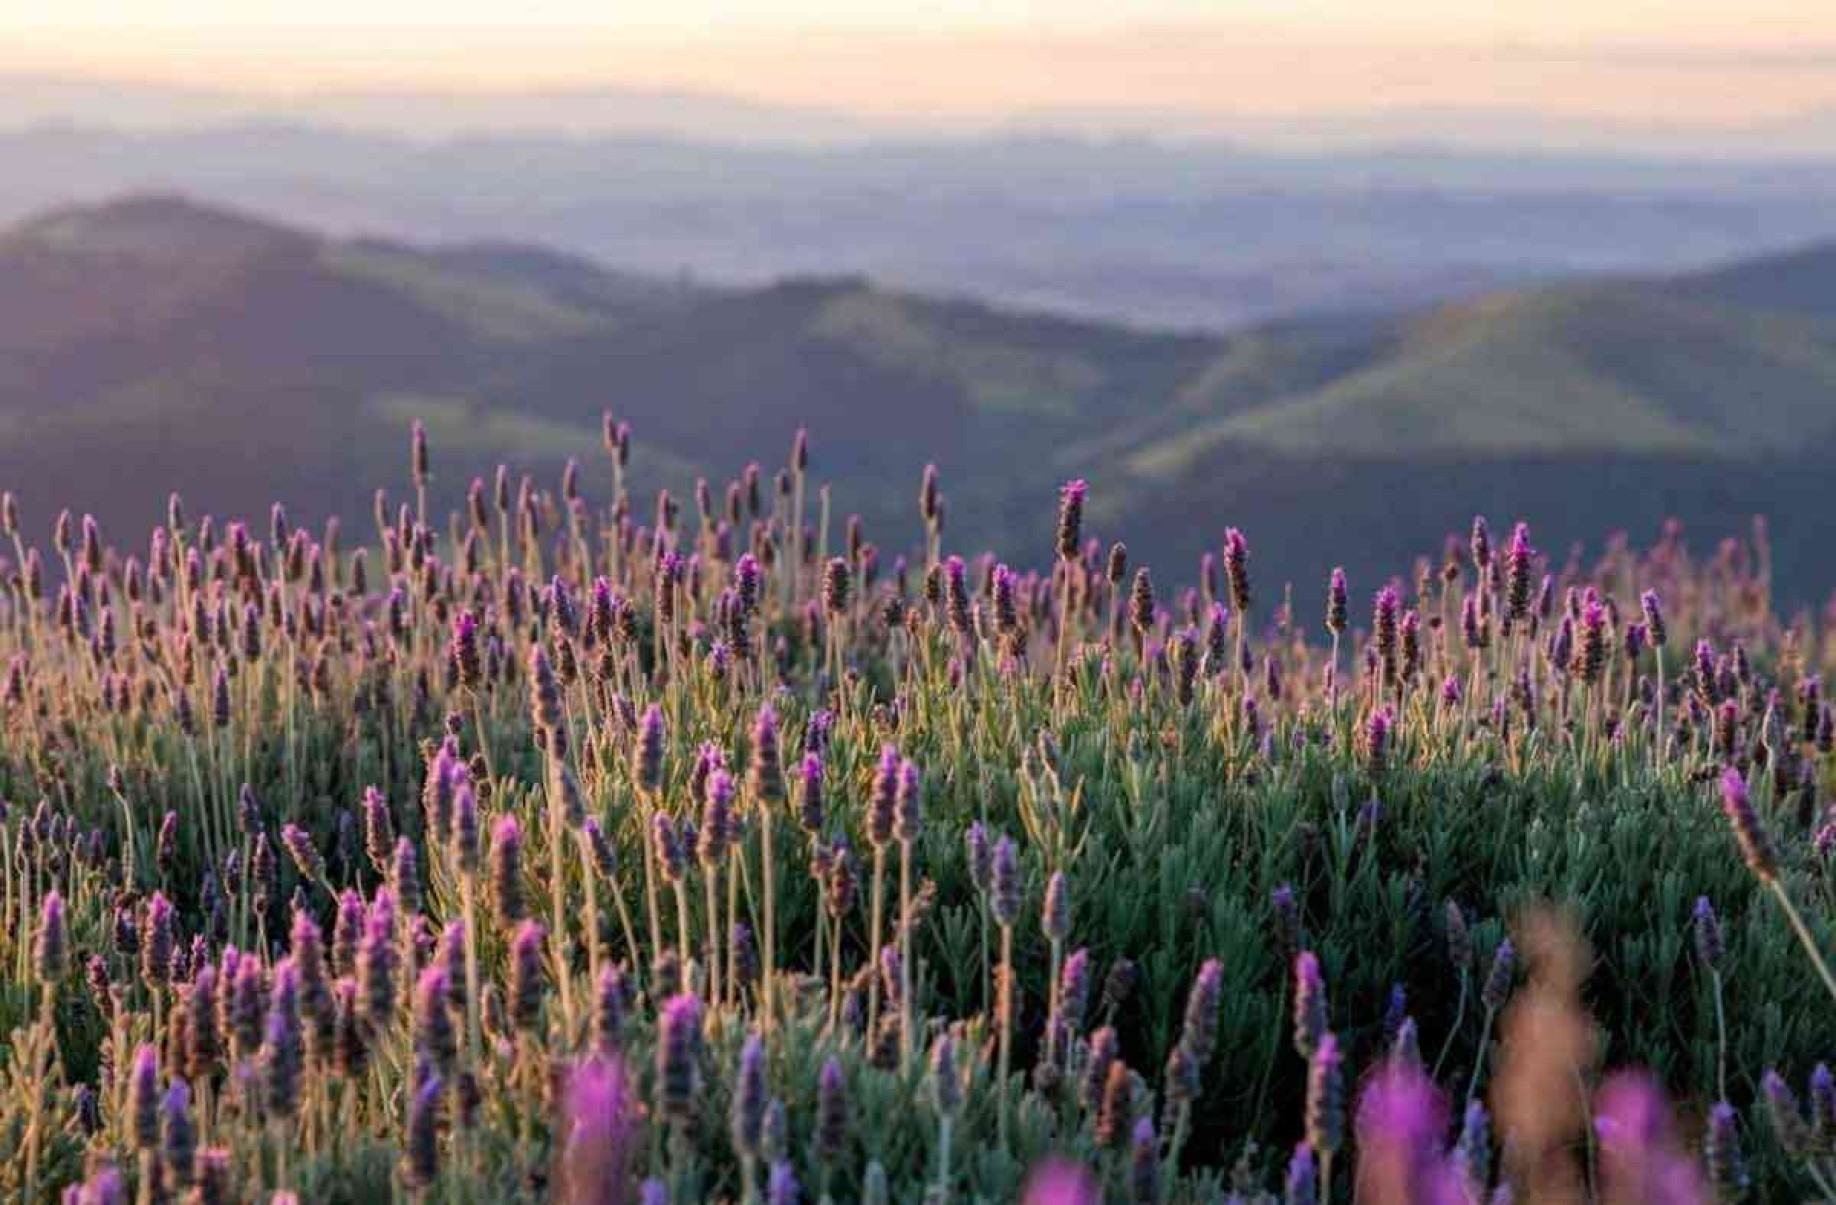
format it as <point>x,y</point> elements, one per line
<point>907,1012</point>
<point>768,964</point>
<point>1804,935</point>
<point>1006,1009</point>
<point>650,876</point>
<point>710,881</point>
<point>875,909</point>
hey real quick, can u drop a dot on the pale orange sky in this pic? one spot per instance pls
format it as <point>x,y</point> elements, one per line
<point>1706,62</point>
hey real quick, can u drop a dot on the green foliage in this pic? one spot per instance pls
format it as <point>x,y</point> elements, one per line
<point>1176,816</point>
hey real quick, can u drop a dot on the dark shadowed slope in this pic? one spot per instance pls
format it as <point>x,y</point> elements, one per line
<point>1801,281</point>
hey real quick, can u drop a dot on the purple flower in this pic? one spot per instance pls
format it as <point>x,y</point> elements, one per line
<point>1706,930</point>
<point>649,767</point>
<point>1755,846</point>
<point>750,1096</point>
<point>1055,915</point>
<point>1074,990</point>
<point>781,1184</point>
<point>678,1056</point>
<point>1005,893</point>
<point>1309,1003</point>
<point>1727,1166</point>
<point>1785,1113</point>
<point>884,798</point>
<point>667,846</point>
<point>929,496</point>
<point>765,775</point>
<point>433,1022</point>
<point>1302,1186</point>
<point>1337,600</point>
<point>810,801</point>
<point>1144,1163</point>
<point>1217,639</point>
<point>717,823</point>
<point>104,1187</point>
<point>1071,519</point>
<point>1497,987</point>
<point>544,690</point>
<point>981,859</point>
<point>831,1111</point>
<point>1472,623</point>
<point>378,829</point>
<point>1384,611</point>
<point>1705,670</point>
<point>1326,1096</point>
<point>908,803</point>
<point>463,651</point>
<point>1236,569</point>
<point>1653,608</point>
<point>1822,1100</point>
<point>1517,574</point>
<point>143,1098</point>
<point>1377,740</point>
<point>946,1078</point>
<point>179,1147</point>
<point>465,832</point>
<point>157,943</point>
<point>956,597</point>
<point>526,971</point>
<point>305,854</point>
<point>52,953</point>
<point>1141,602</point>
<point>1639,1156</point>
<point>1402,1126</point>
<point>421,1147</point>
<point>1199,1034</point>
<point>748,581</point>
<point>1591,649</point>
<point>1058,1181</point>
<point>507,869</point>
<point>283,1045</point>
<point>1635,641</point>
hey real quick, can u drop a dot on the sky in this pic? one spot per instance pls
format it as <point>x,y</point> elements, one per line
<point>1709,63</point>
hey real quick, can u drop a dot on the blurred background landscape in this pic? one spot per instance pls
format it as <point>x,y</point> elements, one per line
<point>1281,271</point>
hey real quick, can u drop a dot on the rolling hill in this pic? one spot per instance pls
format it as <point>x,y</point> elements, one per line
<point>153,342</point>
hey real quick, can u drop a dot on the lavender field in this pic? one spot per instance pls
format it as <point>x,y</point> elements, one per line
<point>593,848</point>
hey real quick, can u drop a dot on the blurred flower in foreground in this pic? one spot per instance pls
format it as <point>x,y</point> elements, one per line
<point>1401,1122</point>
<point>1060,1182</point>
<point>1639,1156</point>
<point>600,1124</point>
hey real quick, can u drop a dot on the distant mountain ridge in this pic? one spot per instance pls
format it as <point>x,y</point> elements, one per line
<point>1155,231</point>
<point>39,99</point>
<point>154,343</point>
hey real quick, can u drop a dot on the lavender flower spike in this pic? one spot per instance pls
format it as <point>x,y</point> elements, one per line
<point>1071,519</point>
<point>1755,846</point>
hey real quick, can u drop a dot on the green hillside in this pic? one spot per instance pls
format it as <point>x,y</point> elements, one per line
<point>1619,368</point>
<point>154,339</point>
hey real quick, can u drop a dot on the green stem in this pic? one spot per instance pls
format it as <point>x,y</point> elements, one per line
<point>1721,1041</point>
<point>768,965</point>
<point>875,909</point>
<point>1006,1009</point>
<point>1454,1031</point>
<point>907,1013</point>
<point>1485,1038</point>
<point>1804,934</point>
